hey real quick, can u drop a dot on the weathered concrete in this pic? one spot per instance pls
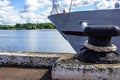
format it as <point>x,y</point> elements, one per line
<point>64,67</point>
<point>26,59</point>
<point>40,62</point>
<point>71,69</point>
<point>29,59</point>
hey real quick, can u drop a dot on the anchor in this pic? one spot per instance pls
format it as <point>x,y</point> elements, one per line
<point>99,48</point>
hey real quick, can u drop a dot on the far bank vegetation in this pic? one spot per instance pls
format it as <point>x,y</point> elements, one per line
<point>29,26</point>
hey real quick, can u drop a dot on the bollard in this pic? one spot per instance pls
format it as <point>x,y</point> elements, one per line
<point>98,48</point>
<point>97,60</point>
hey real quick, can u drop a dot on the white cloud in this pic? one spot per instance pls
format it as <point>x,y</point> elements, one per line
<point>33,5</point>
<point>103,4</point>
<point>45,14</point>
<point>7,13</point>
<point>30,5</point>
<point>77,3</point>
<point>83,2</point>
<point>4,2</point>
<point>28,13</point>
<point>36,18</point>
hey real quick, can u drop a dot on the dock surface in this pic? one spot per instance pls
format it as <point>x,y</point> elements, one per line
<point>53,66</point>
<point>28,65</point>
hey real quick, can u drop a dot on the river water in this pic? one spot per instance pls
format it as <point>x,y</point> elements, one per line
<point>33,41</point>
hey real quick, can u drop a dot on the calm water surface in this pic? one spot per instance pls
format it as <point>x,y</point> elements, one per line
<point>33,41</point>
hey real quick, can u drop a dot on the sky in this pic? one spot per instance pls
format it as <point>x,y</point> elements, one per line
<point>36,11</point>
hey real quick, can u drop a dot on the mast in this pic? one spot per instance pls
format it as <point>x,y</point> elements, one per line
<point>70,5</point>
<point>55,7</point>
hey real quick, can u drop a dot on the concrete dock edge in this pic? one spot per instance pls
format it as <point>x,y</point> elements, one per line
<point>29,59</point>
<point>75,70</point>
<point>63,66</point>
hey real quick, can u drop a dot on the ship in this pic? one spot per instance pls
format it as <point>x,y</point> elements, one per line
<point>72,24</point>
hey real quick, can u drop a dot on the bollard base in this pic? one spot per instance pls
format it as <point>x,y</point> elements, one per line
<point>91,56</point>
<point>72,69</point>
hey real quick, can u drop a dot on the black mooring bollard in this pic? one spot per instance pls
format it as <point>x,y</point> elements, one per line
<point>98,48</point>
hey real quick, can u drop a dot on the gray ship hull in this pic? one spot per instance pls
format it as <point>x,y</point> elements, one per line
<point>71,22</point>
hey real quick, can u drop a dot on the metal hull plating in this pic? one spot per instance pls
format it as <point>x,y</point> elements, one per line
<point>71,22</point>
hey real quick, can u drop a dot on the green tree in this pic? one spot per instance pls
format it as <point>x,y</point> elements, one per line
<point>18,26</point>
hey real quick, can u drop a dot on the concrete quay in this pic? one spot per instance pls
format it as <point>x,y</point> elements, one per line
<point>27,59</point>
<point>28,65</point>
<point>53,66</point>
<point>72,69</point>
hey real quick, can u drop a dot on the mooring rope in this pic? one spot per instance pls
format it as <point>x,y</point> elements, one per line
<point>100,49</point>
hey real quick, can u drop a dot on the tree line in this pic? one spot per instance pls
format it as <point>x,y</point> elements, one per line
<point>29,26</point>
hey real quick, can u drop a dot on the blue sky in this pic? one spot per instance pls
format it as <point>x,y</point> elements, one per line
<point>36,11</point>
<point>18,4</point>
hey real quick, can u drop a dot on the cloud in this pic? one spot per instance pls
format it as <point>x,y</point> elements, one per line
<point>33,5</point>
<point>83,2</point>
<point>28,13</point>
<point>35,18</point>
<point>45,14</point>
<point>101,4</point>
<point>8,15</point>
<point>77,3</point>
<point>4,2</point>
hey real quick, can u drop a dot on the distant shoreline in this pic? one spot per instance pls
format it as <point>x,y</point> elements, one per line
<point>28,26</point>
<point>28,29</point>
